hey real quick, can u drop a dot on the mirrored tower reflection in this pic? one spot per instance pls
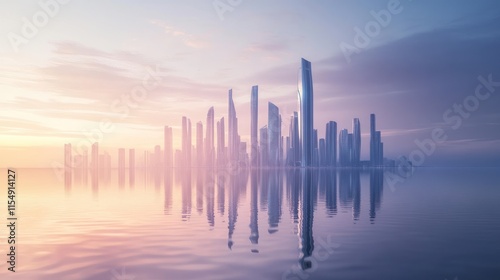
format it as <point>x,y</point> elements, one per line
<point>376,191</point>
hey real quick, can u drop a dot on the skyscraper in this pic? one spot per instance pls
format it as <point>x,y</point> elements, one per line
<point>121,166</point>
<point>264,143</point>
<point>273,134</point>
<point>186,142</point>
<point>372,140</point>
<point>209,140</point>
<point>305,94</point>
<point>331,143</point>
<point>295,140</point>
<point>315,148</point>
<point>356,142</point>
<point>376,146</point>
<point>350,149</point>
<point>189,144</point>
<point>233,137</point>
<point>254,117</point>
<point>322,153</point>
<point>344,147</point>
<point>221,146</point>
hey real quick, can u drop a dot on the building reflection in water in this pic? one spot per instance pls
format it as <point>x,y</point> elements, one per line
<point>254,208</point>
<point>376,191</point>
<point>210,197</point>
<point>168,192</point>
<point>304,189</point>
<point>307,218</point>
<point>274,189</point>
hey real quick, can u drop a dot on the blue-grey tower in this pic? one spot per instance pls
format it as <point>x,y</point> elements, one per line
<point>305,94</point>
<point>273,134</point>
<point>373,144</point>
<point>254,117</point>
<point>331,143</point>
<point>356,142</point>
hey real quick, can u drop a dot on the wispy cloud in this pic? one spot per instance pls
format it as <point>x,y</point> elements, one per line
<point>188,39</point>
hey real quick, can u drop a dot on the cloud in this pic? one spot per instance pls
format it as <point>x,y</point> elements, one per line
<point>187,39</point>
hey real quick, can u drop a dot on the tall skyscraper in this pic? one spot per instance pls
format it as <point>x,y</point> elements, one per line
<point>305,93</point>
<point>189,144</point>
<point>209,140</point>
<point>295,140</point>
<point>315,148</point>
<point>273,134</point>
<point>372,141</point>
<point>376,145</point>
<point>322,153</point>
<point>254,117</point>
<point>344,148</point>
<point>121,166</point>
<point>199,144</point>
<point>221,146</point>
<point>331,143</point>
<point>233,137</point>
<point>186,142</point>
<point>356,142</point>
<point>350,149</point>
<point>264,149</point>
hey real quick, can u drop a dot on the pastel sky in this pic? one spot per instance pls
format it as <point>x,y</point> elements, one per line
<point>80,64</point>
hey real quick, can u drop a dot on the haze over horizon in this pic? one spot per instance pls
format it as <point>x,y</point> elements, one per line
<point>89,56</point>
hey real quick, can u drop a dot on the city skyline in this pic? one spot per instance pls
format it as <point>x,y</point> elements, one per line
<point>301,147</point>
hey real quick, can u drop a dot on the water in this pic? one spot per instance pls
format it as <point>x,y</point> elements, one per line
<point>439,224</point>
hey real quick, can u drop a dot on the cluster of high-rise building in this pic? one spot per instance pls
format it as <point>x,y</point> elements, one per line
<point>268,147</point>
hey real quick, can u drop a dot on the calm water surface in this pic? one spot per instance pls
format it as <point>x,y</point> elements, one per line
<point>439,224</point>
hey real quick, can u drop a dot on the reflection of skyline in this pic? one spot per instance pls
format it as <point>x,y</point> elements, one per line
<point>305,190</point>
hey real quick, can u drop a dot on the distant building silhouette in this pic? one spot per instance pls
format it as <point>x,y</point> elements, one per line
<point>273,135</point>
<point>254,120</point>
<point>209,139</point>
